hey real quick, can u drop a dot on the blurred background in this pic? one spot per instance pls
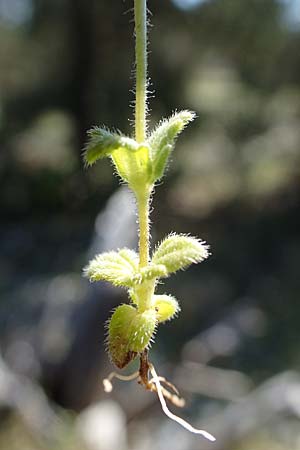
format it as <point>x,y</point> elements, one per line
<point>66,65</point>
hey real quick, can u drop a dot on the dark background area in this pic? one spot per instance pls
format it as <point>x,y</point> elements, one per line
<point>234,181</point>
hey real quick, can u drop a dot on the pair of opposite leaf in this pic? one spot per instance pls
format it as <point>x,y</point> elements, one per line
<point>138,164</point>
<point>132,327</point>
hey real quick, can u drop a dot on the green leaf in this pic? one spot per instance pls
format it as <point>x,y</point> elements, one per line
<point>131,159</point>
<point>134,167</point>
<point>162,140</point>
<point>150,272</point>
<point>166,307</point>
<point>119,268</point>
<point>102,143</point>
<point>160,161</point>
<point>118,335</point>
<point>179,251</point>
<point>129,333</point>
<point>141,330</point>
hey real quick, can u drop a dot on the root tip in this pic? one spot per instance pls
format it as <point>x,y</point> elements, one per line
<point>107,385</point>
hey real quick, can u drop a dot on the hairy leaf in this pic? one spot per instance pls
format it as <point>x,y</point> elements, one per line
<point>129,333</point>
<point>119,268</point>
<point>166,307</point>
<point>179,251</point>
<point>118,335</point>
<point>150,272</point>
<point>133,167</point>
<point>102,143</point>
<point>163,138</point>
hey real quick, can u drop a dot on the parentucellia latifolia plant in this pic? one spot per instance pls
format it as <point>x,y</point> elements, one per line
<point>141,161</point>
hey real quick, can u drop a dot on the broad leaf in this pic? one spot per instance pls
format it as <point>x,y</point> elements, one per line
<point>133,167</point>
<point>118,335</point>
<point>119,268</point>
<point>129,333</point>
<point>166,307</point>
<point>179,251</point>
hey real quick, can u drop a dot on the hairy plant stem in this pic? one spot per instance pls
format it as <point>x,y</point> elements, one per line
<point>140,18</point>
<point>143,194</point>
<point>144,225</point>
<point>146,290</point>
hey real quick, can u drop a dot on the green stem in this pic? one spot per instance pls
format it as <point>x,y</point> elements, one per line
<point>140,17</point>
<point>143,211</point>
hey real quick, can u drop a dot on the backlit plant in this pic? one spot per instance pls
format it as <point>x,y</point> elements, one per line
<point>141,161</point>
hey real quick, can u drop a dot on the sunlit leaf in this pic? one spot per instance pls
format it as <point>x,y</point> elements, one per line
<point>166,307</point>
<point>129,333</point>
<point>102,143</point>
<point>133,167</point>
<point>179,251</point>
<point>150,272</point>
<point>119,268</point>
<point>163,138</point>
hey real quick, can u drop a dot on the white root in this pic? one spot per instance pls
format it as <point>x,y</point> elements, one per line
<point>108,387</point>
<point>167,383</point>
<point>168,413</point>
<point>107,382</point>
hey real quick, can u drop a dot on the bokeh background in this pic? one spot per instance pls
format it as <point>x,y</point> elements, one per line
<point>66,65</point>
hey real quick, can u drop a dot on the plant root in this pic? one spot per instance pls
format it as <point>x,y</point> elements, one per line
<point>154,384</point>
<point>107,382</point>
<point>168,413</point>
